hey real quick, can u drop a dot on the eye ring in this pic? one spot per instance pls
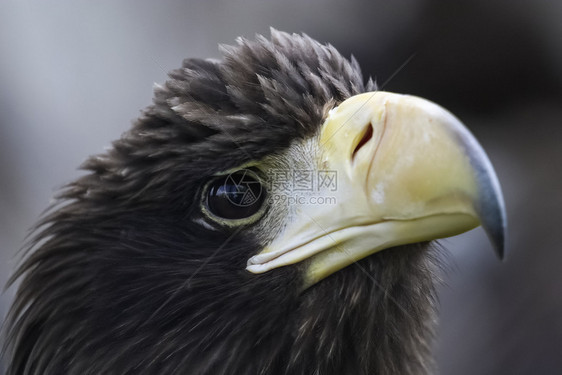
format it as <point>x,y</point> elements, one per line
<point>235,199</point>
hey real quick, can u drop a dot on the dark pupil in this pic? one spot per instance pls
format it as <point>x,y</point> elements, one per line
<point>236,196</point>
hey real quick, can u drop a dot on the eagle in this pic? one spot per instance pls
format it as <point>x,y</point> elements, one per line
<point>271,212</point>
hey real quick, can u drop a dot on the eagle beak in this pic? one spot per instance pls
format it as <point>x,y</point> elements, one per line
<point>406,170</point>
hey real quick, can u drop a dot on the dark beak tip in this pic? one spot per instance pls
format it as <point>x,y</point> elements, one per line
<point>492,212</point>
<point>497,234</point>
<point>499,245</point>
<point>494,221</point>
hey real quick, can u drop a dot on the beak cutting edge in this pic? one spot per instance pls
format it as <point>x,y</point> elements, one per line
<point>407,171</point>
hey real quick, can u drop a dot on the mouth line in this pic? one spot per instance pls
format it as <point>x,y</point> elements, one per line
<point>263,259</point>
<point>370,237</point>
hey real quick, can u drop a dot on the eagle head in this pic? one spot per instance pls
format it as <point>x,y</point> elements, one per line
<point>270,213</point>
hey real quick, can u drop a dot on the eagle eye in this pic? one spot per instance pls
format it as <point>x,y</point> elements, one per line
<point>236,196</point>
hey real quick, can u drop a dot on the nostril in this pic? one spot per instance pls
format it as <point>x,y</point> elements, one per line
<point>367,135</point>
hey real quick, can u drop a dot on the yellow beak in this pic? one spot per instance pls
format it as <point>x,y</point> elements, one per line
<point>407,171</point>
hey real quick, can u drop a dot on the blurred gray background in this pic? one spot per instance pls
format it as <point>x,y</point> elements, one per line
<point>74,75</point>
